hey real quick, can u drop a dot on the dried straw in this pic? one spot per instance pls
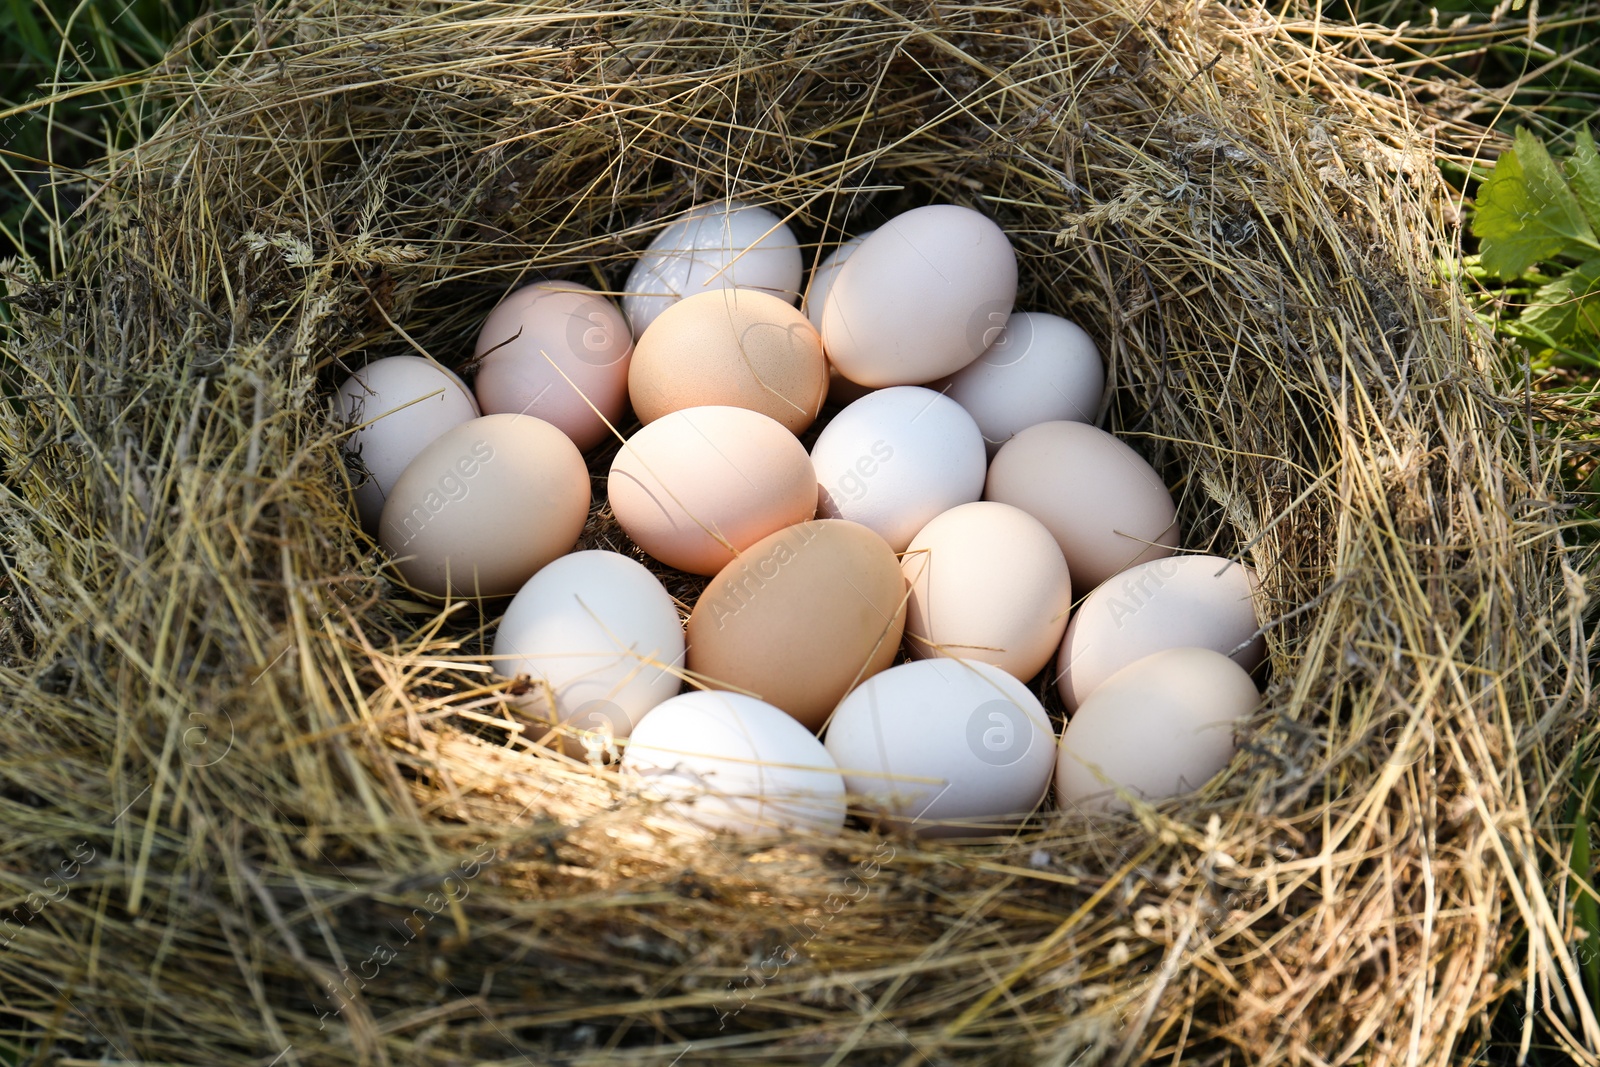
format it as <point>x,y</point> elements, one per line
<point>287,817</point>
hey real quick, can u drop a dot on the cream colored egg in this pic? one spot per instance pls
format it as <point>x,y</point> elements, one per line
<point>1041,368</point>
<point>801,617</point>
<point>896,458</point>
<point>397,406</point>
<point>1176,602</point>
<point>988,583</point>
<point>724,761</point>
<point>1106,506</point>
<point>1160,727</point>
<point>734,348</point>
<point>560,352</point>
<point>599,636</point>
<point>698,485</point>
<point>720,245</point>
<point>920,298</point>
<point>484,506</point>
<point>944,747</point>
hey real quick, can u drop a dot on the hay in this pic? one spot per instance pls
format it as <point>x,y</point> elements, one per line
<point>288,819</point>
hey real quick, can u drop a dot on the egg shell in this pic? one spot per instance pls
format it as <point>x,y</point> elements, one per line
<point>988,582</point>
<point>400,404</point>
<point>720,245</point>
<point>725,761</point>
<point>944,747</point>
<point>801,617</point>
<point>1042,368</point>
<point>822,278</point>
<point>1176,602</point>
<point>896,458</point>
<point>697,481</point>
<point>588,347</point>
<point>1106,506</point>
<point>1160,727</point>
<point>921,298</point>
<point>603,636</point>
<point>484,506</point>
<point>734,348</point>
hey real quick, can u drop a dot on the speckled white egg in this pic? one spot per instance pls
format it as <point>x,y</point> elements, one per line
<point>896,458</point>
<point>725,761</point>
<point>1040,369</point>
<point>601,636</point>
<point>945,747</point>
<point>398,406</point>
<point>720,245</point>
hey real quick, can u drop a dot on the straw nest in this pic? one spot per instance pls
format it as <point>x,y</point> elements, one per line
<point>261,807</point>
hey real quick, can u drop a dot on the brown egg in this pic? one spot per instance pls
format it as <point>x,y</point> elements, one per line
<point>801,617</point>
<point>732,347</point>
<point>486,505</point>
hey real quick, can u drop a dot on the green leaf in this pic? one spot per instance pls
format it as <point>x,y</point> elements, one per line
<point>1527,213</point>
<point>1583,171</point>
<point>1567,306</point>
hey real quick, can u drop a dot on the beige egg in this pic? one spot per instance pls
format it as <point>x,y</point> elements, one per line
<point>988,583</point>
<point>735,348</point>
<point>920,298</point>
<point>1160,727</point>
<point>1106,506</point>
<point>801,617</point>
<point>485,506</point>
<point>1176,602</point>
<point>699,484</point>
<point>558,351</point>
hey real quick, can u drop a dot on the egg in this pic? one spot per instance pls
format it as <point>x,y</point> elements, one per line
<point>1176,602</point>
<point>724,761</point>
<point>1159,727</point>
<point>822,278</point>
<point>601,634</point>
<point>397,405</point>
<point>896,458</point>
<point>988,582</point>
<point>735,348</point>
<point>698,485</point>
<point>718,245</point>
<point>1042,368</point>
<point>1106,506</point>
<point>945,747</point>
<point>486,505</point>
<point>560,352</point>
<point>920,298</point>
<point>801,617</point>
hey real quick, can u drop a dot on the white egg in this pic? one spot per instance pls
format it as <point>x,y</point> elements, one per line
<point>822,278</point>
<point>1040,369</point>
<point>399,405</point>
<point>1176,602</point>
<point>721,245</point>
<point>725,761</point>
<point>896,458</point>
<point>944,746</point>
<point>1160,727</point>
<point>602,633</point>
